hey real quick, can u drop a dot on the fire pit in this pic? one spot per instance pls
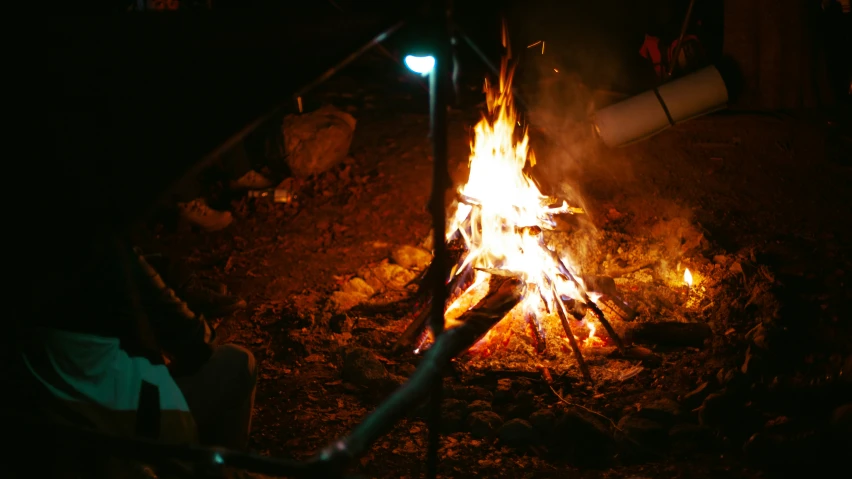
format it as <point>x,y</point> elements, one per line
<point>501,223</point>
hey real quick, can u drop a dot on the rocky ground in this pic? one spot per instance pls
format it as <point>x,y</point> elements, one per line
<point>756,206</point>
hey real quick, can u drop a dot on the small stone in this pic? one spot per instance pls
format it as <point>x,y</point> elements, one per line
<point>517,433</point>
<point>736,267</point>
<point>358,285</point>
<point>411,257</point>
<point>647,433</point>
<point>478,405</point>
<point>384,276</point>
<point>522,405</point>
<point>525,396</point>
<point>663,410</point>
<point>361,367</point>
<point>477,392</point>
<point>543,421</point>
<point>484,424</point>
<point>689,438</point>
<point>504,391</point>
<point>582,439</point>
<point>516,410</point>
<point>342,301</point>
<point>453,412</point>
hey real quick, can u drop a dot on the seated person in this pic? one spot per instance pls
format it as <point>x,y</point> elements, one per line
<point>108,346</point>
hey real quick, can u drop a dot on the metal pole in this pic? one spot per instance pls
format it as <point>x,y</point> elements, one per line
<point>438,102</point>
<point>680,39</point>
<point>346,61</point>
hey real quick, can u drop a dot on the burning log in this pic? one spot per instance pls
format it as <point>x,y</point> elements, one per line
<point>504,293</point>
<point>670,333</point>
<point>461,281</point>
<point>609,302</point>
<point>456,248</point>
<point>563,317</point>
<point>539,342</point>
<point>588,301</point>
<point>614,306</point>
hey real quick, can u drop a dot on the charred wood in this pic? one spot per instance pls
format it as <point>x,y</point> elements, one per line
<point>613,306</point>
<point>460,282</point>
<point>456,248</point>
<point>585,297</point>
<point>563,317</point>
<point>539,342</point>
<point>505,292</point>
<point>604,285</point>
<point>669,333</point>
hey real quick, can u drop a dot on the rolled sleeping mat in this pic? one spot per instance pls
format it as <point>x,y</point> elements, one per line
<point>651,112</point>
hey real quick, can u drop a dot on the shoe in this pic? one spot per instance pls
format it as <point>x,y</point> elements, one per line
<point>252,181</point>
<point>200,214</point>
<point>209,299</point>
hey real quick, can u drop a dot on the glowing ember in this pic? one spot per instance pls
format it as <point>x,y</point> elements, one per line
<point>501,215</point>
<point>687,277</point>
<point>592,340</point>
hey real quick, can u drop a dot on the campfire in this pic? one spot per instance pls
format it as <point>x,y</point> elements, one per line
<point>497,228</point>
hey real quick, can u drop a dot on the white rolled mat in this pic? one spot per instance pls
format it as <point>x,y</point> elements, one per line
<point>653,111</point>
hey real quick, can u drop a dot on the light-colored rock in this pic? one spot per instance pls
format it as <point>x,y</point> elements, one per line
<point>344,301</point>
<point>411,257</point>
<point>483,424</point>
<point>316,141</point>
<point>517,433</point>
<point>383,276</point>
<point>358,285</point>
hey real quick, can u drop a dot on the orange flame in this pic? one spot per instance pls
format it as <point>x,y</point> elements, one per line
<point>687,277</point>
<point>501,212</point>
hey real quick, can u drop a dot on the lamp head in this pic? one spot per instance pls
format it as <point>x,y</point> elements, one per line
<point>421,63</point>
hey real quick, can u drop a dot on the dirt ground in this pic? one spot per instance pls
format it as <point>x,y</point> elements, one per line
<point>767,192</point>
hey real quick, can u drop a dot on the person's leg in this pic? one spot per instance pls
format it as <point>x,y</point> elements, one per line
<point>221,396</point>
